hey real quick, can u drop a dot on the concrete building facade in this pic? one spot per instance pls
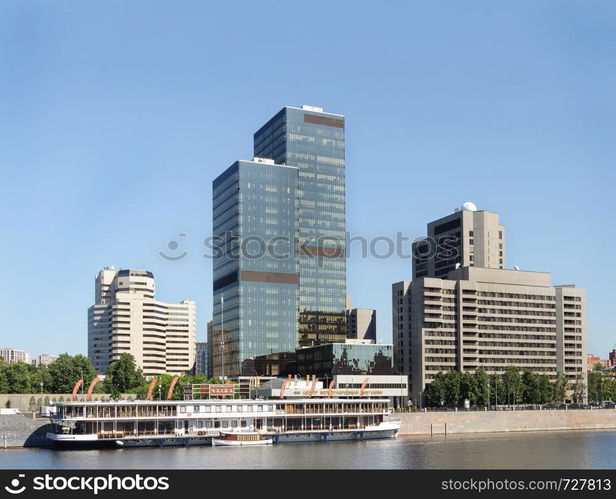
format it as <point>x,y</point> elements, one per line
<point>127,318</point>
<point>468,237</point>
<point>361,324</point>
<point>11,355</point>
<point>468,311</point>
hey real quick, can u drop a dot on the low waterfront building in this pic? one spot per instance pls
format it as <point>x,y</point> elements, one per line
<point>127,318</point>
<point>350,357</point>
<point>11,355</point>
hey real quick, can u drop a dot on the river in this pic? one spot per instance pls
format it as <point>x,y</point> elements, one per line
<point>558,449</point>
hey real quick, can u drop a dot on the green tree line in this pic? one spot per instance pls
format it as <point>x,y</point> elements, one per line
<point>452,388</point>
<point>123,376</point>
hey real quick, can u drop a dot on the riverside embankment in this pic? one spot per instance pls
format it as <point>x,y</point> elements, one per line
<point>445,422</point>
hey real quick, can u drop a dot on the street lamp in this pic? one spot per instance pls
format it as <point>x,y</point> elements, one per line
<point>222,336</point>
<point>41,387</point>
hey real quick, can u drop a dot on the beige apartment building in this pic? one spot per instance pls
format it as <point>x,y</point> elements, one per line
<point>11,355</point>
<point>127,318</point>
<point>487,317</point>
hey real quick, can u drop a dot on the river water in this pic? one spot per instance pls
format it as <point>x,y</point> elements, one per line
<point>568,450</point>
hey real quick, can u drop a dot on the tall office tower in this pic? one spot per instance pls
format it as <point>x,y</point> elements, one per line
<point>293,193</point>
<point>256,276</point>
<point>313,141</point>
<point>467,237</point>
<point>127,318</point>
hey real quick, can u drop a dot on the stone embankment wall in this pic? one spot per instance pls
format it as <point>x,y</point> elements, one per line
<point>20,430</point>
<point>440,423</point>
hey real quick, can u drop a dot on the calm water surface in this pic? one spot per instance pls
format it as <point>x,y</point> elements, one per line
<point>570,450</point>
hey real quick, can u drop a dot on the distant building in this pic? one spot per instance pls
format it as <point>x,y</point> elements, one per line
<point>361,324</point>
<point>127,318</point>
<point>350,357</point>
<point>202,361</point>
<point>12,355</point>
<point>593,361</point>
<point>44,359</point>
<point>612,357</point>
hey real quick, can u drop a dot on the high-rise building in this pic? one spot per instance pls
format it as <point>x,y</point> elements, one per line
<point>281,219</point>
<point>465,238</point>
<point>127,318</point>
<point>361,323</point>
<point>486,316</point>
<point>12,355</point>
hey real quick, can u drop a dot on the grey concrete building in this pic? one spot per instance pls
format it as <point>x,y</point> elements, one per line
<point>361,324</point>
<point>484,315</point>
<point>468,237</point>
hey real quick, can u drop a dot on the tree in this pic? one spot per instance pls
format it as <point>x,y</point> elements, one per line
<point>561,384</point>
<point>497,390</point>
<point>436,391</point>
<point>452,388</point>
<point>17,377</point>
<point>513,385</point>
<point>123,375</point>
<point>579,389</point>
<point>66,370</point>
<point>482,387</point>
<point>468,387</point>
<point>530,388</point>
<point>545,389</point>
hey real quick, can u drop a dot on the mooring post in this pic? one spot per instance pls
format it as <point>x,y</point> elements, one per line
<point>431,431</point>
<point>445,429</point>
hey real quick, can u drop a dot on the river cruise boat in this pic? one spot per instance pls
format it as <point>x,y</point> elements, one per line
<point>146,423</point>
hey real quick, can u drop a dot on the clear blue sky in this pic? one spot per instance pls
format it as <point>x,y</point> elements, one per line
<point>116,116</point>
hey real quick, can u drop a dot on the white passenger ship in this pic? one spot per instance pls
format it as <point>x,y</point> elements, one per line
<point>196,422</point>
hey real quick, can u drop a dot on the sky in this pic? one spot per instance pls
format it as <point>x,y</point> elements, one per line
<point>116,116</point>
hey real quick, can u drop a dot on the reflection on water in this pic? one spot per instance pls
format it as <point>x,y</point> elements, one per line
<point>562,449</point>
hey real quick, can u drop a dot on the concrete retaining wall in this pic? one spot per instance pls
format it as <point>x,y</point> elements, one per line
<point>23,431</point>
<point>439,423</point>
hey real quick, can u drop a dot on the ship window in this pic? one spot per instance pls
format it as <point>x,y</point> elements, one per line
<point>234,424</point>
<point>225,424</point>
<point>218,408</point>
<point>208,424</point>
<point>229,408</point>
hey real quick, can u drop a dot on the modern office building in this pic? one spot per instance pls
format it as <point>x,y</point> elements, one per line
<point>256,276</point>
<point>11,355</point>
<point>350,357</point>
<point>201,358</point>
<point>465,238</point>
<point>317,328</point>
<point>282,220</point>
<point>361,324</point>
<point>487,317</point>
<point>127,318</point>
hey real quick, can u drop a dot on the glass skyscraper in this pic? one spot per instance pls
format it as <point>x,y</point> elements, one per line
<point>282,220</point>
<point>313,141</point>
